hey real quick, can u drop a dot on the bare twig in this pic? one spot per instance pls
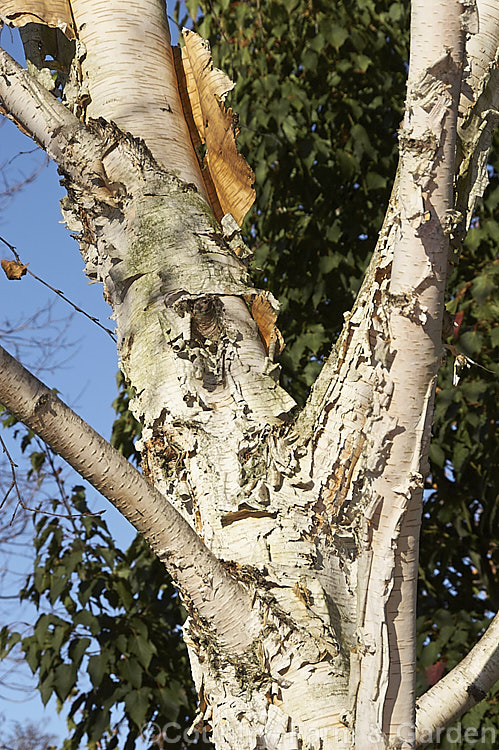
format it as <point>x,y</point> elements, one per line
<point>60,484</point>
<point>58,291</point>
<point>13,178</point>
<point>40,333</point>
<point>13,187</point>
<point>14,485</point>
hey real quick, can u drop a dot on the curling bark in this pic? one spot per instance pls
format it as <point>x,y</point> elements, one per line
<point>306,523</point>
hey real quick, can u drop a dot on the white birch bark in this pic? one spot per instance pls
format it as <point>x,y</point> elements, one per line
<point>301,592</point>
<point>126,44</point>
<point>412,331</point>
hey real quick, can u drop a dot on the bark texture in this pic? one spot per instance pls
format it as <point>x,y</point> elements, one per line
<point>123,46</point>
<point>301,529</point>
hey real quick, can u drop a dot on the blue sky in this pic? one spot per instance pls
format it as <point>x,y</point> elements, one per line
<point>84,371</point>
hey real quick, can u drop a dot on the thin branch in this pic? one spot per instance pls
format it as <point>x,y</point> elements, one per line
<point>207,587</point>
<point>462,688</point>
<point>13,483</point>
<point>40,334</point>
<point>60,486</point>
<point>20,502</point>
<point>12,187</point>
<point>58,291</point>
<point>23,153</point>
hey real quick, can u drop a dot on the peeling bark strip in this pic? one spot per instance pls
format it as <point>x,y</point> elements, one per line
<point>203,89</point>
<point>295,541</point>
<point>54,13</point>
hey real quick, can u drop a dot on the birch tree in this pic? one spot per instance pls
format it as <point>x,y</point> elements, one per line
<point>291,534</point>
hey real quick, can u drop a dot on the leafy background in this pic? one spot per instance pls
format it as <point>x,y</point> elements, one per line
<point>320,90</point>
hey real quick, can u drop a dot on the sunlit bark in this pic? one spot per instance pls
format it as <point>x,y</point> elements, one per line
<point>293,537</point>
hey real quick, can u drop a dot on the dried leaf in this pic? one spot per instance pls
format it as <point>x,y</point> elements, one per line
<point>203,88</point>
<point>265,317</point>
<point>54,13</point>
<point>13,269</point>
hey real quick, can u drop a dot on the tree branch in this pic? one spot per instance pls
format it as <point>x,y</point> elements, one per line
<point>205,584</point>
<point>464,686</point>
<point>37,113</point>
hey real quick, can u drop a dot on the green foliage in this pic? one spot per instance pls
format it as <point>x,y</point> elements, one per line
<point>107,638</point>
<point>459,547</point>
<point>441,640</point>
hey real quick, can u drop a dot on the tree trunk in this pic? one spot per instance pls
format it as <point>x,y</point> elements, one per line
<point>301,528</point>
